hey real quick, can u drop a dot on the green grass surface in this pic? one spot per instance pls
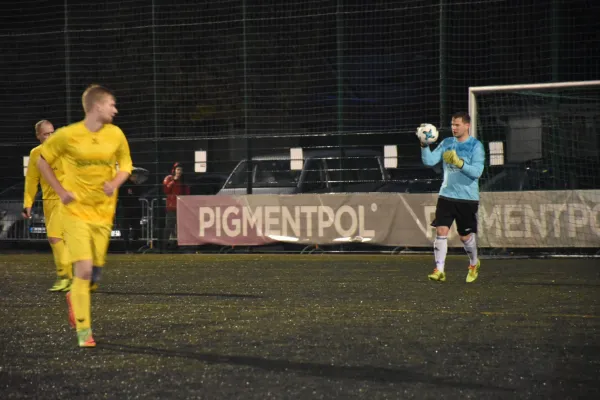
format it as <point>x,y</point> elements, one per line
<point>318,326</point>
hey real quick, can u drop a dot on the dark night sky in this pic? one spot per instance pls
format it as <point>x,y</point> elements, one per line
<point>383,58</point>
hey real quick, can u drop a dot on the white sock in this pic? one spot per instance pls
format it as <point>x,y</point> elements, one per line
<point>471,249</point>
<point>440,249</point>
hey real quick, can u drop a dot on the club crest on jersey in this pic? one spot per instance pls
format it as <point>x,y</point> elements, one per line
<point>95,140</point>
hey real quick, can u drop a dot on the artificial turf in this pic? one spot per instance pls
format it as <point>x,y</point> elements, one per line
<point>316,326</point>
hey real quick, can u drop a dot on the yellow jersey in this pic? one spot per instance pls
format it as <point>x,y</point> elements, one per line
<point>33,178</point>
<point>89,160</point>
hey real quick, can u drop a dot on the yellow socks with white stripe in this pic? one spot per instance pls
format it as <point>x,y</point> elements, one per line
<point>440,249</point>
<point>81,303</point>
<point>61,259</point>
<point>471,248</point>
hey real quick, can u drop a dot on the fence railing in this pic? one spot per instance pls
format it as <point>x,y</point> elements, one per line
<point>13,227</point>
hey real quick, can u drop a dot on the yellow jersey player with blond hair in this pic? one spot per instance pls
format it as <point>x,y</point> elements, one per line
<point>89,150</point>
<point>52,205</point>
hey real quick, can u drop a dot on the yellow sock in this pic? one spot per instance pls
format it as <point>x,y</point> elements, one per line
<point>81,302</point>
<point>61,259</point>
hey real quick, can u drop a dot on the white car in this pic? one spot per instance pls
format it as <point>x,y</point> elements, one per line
<point>12,224</point>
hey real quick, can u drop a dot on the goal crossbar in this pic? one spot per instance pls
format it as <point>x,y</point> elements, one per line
<point>473,90</point>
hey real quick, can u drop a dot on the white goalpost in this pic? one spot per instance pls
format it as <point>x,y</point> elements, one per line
<point>476,90</point>
<point>541,182</point>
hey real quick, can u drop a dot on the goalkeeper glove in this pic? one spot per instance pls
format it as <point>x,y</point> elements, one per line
<point>450,157</point>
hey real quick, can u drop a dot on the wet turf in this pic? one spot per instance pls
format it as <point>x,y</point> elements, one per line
<point>318,326</point>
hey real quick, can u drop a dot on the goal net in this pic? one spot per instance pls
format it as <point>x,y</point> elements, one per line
<point>541,185</point>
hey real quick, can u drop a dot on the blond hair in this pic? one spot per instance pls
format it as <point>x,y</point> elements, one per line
<point>94,94</point>
<point>38,126</point>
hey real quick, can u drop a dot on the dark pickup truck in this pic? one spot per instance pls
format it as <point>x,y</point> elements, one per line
<point>330,171</point>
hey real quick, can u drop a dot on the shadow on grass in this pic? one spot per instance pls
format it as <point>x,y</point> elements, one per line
<point>367,373</point>
<point>227,295</point>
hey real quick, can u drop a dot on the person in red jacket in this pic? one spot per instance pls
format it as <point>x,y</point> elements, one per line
<point>173,186</point>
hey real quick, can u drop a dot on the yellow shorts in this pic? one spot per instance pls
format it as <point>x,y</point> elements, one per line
<point>86,240</point>
<point>53,217</point>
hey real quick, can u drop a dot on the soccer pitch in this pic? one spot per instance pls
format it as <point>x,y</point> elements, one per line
<point>317,326</point>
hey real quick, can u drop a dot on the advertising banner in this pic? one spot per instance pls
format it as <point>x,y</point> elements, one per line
<point>506,219</point>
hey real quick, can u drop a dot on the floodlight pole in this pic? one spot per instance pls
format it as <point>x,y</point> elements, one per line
<point>67,63</point>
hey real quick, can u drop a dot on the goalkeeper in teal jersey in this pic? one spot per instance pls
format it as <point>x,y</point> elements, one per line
<point>458,200</point>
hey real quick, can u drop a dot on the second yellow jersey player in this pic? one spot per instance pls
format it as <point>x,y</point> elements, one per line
<point>52,207</point>
<point>51,201</point>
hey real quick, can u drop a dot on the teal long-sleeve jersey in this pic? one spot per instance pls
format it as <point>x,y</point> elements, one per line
<point>459,183</point>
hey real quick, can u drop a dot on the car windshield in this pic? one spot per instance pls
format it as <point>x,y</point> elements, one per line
<point>354,169</point>
<point>265,173</point>
<point>417,179</point>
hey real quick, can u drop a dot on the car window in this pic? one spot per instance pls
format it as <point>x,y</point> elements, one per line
<point>542,178</point>
<point>265,173</point>
<point>419,179</point>
<point>508,180</point>
<point>15,192</point>
<point>526,178</point>
<point>355,169</point>
<point>314,176</point>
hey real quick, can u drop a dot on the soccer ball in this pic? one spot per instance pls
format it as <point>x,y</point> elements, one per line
<point>427,133</point>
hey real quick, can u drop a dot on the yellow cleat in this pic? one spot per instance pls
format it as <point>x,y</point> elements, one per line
<point>93,287</point>
<point>61,285</point>
<point>68,287</point>
<point>85,338</point>
<point>437,275</point>
<point>473,272</point>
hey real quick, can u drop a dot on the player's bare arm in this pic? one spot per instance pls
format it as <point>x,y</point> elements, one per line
<point>120,178</point>
<point>48,174</point>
